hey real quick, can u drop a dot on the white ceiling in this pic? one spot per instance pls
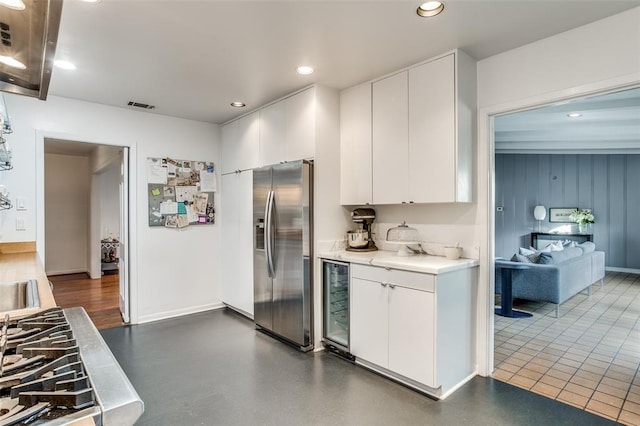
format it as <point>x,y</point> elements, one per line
<point>608,123</point>
<point>192,58</point>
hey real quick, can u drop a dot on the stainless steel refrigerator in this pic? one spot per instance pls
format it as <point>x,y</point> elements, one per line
<point>283,249</point>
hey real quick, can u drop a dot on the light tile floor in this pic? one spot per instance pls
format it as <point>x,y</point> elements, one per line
<point>588,358</point>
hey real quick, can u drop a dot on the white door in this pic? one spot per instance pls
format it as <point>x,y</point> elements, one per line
<point>412,334</point>
<point>237,241</point>
<point>272,139</point>
<point>390,140</point>
<point>124,234</point>
<point>369,321</point>
<point>355,145</point>
<point>432,137</point>
<point>300,125</point>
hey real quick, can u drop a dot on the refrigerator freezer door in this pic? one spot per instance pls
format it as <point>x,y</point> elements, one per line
<point>292,283</point>
<point>262,284</point>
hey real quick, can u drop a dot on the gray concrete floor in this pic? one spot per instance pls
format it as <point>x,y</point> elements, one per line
<point>214,368</point>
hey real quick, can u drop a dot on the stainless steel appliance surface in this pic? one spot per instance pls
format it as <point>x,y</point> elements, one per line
<point>55,369</point>
<point>283,235</point>
<point>335,300</point>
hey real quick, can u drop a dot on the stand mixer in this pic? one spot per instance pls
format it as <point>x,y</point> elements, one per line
<point>361,240</point>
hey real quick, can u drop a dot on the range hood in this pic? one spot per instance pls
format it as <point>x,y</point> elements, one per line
<point>29,36</point>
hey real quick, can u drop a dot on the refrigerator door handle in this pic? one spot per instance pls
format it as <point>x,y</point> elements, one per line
<point>268,235</point>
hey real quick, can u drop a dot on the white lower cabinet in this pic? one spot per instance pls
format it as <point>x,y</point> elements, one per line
<point>369,321</point>
<point>416,328</point>
<point>412,334</point>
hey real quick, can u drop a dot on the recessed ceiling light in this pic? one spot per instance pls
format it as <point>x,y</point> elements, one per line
<point>304,70</point>
<point>13,4</point>
<point>430,8</point>
<point>574,115</point>
<point>8,60</point>
<point>238,104</point>
<point>65,65</point>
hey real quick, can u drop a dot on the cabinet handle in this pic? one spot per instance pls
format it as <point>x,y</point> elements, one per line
<point>392,286</point>
<point>383,284</point>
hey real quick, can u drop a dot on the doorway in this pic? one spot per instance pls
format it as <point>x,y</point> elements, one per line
<point>588,357</point>
<point>86,228</point>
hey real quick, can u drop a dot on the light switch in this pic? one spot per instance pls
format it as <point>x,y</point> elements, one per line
<point>20,224</point>
<point>499,208</point>
<point>20,203</point>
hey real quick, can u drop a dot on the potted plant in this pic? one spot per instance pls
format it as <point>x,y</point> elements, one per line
<point>582,218</point>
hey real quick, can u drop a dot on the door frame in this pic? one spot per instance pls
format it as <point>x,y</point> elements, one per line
<point>41,135</point>
<point>486,185</point>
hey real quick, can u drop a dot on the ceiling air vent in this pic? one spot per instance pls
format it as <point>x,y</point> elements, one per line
<point>140,105</point>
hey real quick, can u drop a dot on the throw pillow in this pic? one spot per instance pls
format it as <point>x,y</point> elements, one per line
<point>555,246</point>
<point>533,255</point>
<point>560,256</point>
<point>520,258</point>
<point>569,243</point>
<point>587,247</point>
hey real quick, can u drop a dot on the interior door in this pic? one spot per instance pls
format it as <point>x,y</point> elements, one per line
<point>124,234</point>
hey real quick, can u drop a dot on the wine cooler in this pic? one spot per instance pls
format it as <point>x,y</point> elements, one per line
<point>335,283</point>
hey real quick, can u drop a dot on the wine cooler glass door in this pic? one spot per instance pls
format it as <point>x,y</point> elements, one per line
<point>335,277</point>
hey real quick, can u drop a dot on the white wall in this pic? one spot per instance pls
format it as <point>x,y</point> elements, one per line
<point>596,57</point>
<point>172,272</point>
<point>66,213</point>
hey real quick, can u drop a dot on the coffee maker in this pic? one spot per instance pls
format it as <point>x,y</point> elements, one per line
<point>361,240</point>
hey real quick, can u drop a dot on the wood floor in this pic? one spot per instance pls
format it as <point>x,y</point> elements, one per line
<point>98,297</point>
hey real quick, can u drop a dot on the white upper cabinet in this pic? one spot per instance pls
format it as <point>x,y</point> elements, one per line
<point>300,125</point>
<point>422,134</point>
<point>441,109</point>
<point>390,140</point>
<point>288,129</point>
<point>355,145</point>
<point>240,144</point>
<point>229,141</point>
<point>272,139</point>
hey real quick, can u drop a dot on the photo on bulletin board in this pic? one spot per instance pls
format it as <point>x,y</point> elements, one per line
<point>181,192</point>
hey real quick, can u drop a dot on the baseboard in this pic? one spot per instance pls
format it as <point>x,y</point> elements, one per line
<point>240,311</point>
<point>627,270</point>
<point>179,312</point>
<point>67,272</point>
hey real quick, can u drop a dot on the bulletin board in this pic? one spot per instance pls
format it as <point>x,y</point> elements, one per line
<point>181,192</point>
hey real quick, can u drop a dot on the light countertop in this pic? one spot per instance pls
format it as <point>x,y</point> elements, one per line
<point>424,263</point>
<point>26,266</point>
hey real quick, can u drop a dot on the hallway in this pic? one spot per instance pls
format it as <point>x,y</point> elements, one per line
<point>98,297</point>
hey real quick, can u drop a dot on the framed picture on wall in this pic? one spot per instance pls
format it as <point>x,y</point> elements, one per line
<point>561,214</point>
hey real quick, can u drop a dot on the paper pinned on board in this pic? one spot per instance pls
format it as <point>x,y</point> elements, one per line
<point>168,207</point>
<point>185,193</point>
<point>208,181</point>
<point>156,170</point>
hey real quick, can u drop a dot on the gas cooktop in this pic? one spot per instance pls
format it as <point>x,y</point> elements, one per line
<point>55,369</point>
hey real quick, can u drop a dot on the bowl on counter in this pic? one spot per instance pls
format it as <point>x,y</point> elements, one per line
<point>453,253</point>
<point>357,239</point>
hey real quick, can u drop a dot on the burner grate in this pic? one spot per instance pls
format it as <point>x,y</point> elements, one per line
<point>42,376</point>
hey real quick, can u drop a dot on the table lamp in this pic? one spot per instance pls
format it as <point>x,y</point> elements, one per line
<point>539,213</point>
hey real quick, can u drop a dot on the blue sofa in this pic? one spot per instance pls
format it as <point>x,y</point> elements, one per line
<point>558,276</point>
